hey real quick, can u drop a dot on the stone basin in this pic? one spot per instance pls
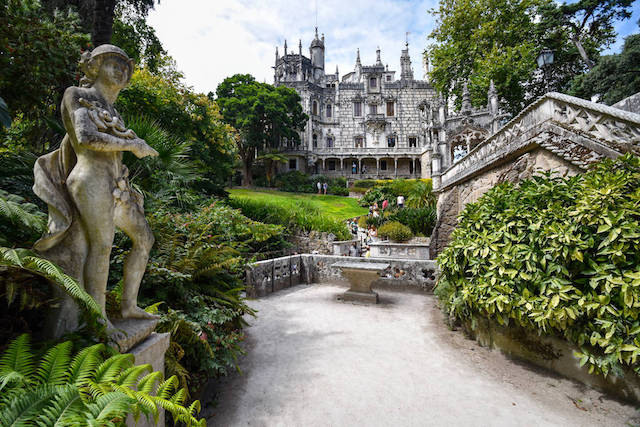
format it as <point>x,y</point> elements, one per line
<point>360,277</point>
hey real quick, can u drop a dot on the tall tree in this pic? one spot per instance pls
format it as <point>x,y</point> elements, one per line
<point>483,40</point>
<point>614,77</point>
<point>265,116</point>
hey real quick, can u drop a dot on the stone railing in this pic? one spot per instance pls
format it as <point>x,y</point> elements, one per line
<point>615,131</point>
<point>399,250</point>
<point>364,151</point>
<point>266,277</point>
<point>342,247</point>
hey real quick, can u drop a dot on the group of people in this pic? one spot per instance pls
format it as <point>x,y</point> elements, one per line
<point>322,187</point>
<point>366,237</point>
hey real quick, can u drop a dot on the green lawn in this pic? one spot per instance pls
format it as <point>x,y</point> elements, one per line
<point>336,207</point>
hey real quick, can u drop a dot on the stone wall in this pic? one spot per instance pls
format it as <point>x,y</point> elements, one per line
<point>265,277</point>
<point>554,354</point>
<point>313,242</point>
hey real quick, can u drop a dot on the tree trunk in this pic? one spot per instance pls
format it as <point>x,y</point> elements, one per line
<point>103,13</point>
<point>583,53</point>
<point>246,173</point>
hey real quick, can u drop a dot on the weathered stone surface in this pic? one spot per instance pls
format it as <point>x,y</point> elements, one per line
<point>130,332</point>
<point>631,103</point>
<point>361,276</point>
<point>151,351</point>
<point>402,273</point>
<point>86,187</point>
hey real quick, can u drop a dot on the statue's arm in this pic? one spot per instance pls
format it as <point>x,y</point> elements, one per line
<point>88,135</point>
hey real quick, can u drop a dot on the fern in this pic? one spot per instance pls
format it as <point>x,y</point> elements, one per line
<point>83,390</point>
<point>27,260</point>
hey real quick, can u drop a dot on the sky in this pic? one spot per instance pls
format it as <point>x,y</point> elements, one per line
<point>214,39</point>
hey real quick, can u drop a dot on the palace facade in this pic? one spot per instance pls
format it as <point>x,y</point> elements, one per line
<point>372,123</point>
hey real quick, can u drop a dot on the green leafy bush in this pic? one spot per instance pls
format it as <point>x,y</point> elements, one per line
<point>419,220</point>
<point>558,256</point>
<point>395,231</point>
<point>85,389</point>
<point>299,182</point>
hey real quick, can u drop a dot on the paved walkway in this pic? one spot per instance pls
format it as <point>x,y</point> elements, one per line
<point>314,361</point>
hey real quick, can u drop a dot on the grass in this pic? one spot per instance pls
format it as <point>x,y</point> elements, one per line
<point>335,207</point>
<point>298,212</point>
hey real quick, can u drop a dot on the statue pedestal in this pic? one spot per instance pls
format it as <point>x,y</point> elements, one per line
<point>147,347</point>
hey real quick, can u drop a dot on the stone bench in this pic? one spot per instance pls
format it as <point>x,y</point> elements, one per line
<point>360,276</point>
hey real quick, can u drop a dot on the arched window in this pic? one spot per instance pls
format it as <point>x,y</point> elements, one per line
<point>314,108</point>
<point>329,110</point>
<point>329,142</point>
<point>315,141</point>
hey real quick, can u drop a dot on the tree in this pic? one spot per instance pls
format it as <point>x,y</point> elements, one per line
<point>132,33</point>
<point>265,117</point>
<point>614,77</point>
<point>484,40</point>
<point>499,40</point>
<point>589,24</point>
<point>98,15</point>
<point>39,54</point>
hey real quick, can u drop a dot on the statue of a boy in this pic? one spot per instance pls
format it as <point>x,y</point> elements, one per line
<point>86,187</point>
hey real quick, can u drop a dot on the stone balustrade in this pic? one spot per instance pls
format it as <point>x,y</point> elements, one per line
<point>399,250</point>
<point>605,132</point>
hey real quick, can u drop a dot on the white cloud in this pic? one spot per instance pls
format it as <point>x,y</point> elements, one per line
<point>213,39</point>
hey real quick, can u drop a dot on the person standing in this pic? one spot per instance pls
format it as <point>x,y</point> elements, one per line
<point>324,187</point>
<point>385,204</point>
<point>400,201</point>
<point>319,185</point>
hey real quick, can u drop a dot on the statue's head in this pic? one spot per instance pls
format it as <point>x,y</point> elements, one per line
<point>92,62</point>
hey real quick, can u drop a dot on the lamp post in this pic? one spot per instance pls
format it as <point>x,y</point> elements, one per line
<point>544,60</point>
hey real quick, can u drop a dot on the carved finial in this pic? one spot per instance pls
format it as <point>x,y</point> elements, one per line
<point>358,57</point>
<point>285,47</point>
<point>316,32</point>
<point>336,70</point>
<point>378,61</point>
<point>466,98</point>
<point>300,46</point>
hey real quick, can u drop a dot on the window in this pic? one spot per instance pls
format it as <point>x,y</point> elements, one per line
<point>331,165</point>
<point>383,165</point>
<point>314,108</point>
<point>413,141</point>
<point>391,141</point>
<point>315,141</point>
<point>359,142</point>
<point>390,109</point>
<point>357,109</point>
<point>293,164</point>
<point>373,82</point>
<point>329,142</point>
<point>329,110</point>
<point>373,109</point>
<point>388,77</point>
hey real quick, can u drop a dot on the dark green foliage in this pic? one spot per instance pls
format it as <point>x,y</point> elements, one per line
<point>5,117</point>
<point>395,231</point>
<point>88,388</point>
<point>265,116</point>
<point>132,33</point>
<point>39,53</point>
<point>16,174</point>
<point>559,256</point>
<point>299,182</point>
<point>419,220</point>
<point>614,77</point>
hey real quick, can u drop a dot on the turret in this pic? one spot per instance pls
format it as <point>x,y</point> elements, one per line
<point>358,69</point>
<point>285,47</point>
<point>466,99</point>
<point>317,55</point>
<point>378,61</point>
<point>406,73</point>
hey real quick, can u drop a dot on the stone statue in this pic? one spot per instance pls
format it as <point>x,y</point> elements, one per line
<point>86,187</point>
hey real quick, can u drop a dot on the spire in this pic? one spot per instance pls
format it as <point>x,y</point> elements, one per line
<point>336,70</point>
<point>277,55</point>
<point>378,61</point>
<point>466,99</point>
<point>300,47</point>
<point>493,103</point>
<point>285,47</point>
<point>358,58</point>
<point>406,73</point>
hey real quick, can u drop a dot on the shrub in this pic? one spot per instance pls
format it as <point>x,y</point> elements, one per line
<point>299,182</point>
<point>395,231</point>
<point>556,255</point>
<point>419,220</point>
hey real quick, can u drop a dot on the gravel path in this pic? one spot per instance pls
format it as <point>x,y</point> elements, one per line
<point>314,361</point>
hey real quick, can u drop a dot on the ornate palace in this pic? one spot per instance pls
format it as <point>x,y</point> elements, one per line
<point>372,123</point>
